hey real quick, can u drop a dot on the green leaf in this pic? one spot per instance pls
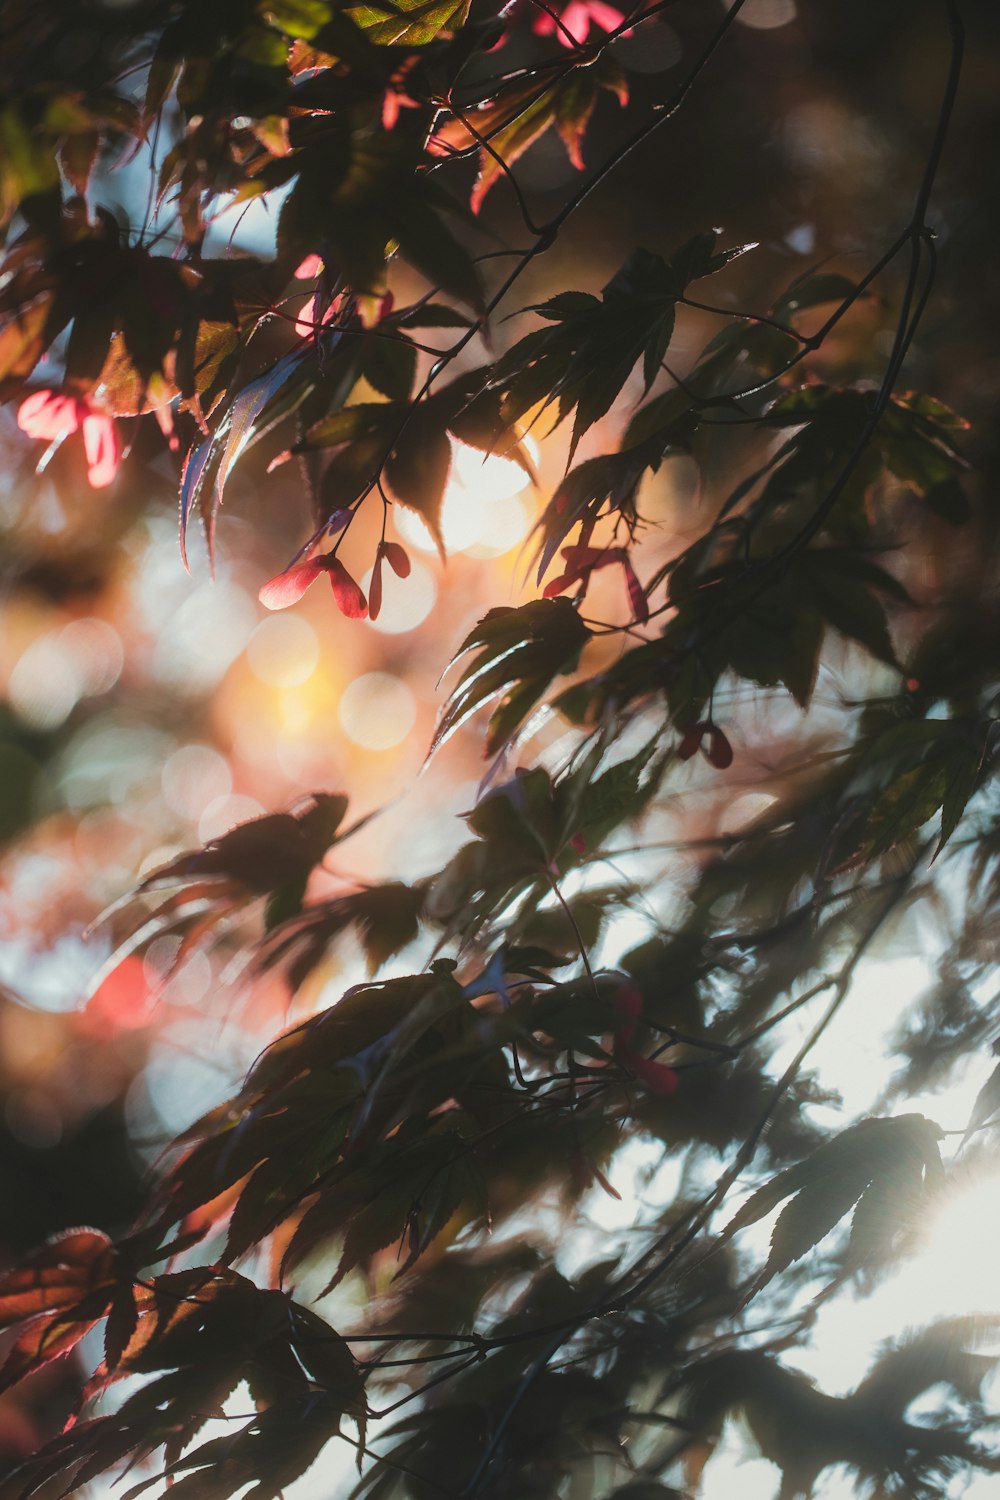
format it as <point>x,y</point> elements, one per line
<point>812,1213</point>
<point>432,315</point>
<point>386,918</point>
<point>584,360</point>
<point>22,338</point>
<point>964,770</point>
<point>296,18</point>
<point>813,291</point>
<point>359,194</point>
<point>509,141</point>
<point>843,590</point>
<point>584,494</point>
<point>417,468</point>
<point>520,116</point>
<point>909,772</point>
<point>409,23</point>
<point>917,441</point>
<point>519,822</point>
<point>519,650</point>
<point>389,364</point>
<point>986,1105</point>
<point>874,1156</point>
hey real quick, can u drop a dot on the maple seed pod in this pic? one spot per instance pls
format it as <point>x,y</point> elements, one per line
<point>350,599</point>
<point>375,588</point>
<point>719,752</point>
<point>397,557</point>
<point>690,742</point>
<point>288,587</point>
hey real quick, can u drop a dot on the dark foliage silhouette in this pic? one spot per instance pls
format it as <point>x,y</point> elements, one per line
<point>812,622</point>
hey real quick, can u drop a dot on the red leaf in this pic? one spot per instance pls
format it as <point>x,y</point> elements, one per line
<point>43,1340</point>
<point>581,561</point>
<point>584,559</point>
<point>288,587</point>
<point>56,1275</point>
<point>123,1319</point>
<point>398,558</point>
<point>350,600</point>
<point>557,585</point>
<point>309,268</point>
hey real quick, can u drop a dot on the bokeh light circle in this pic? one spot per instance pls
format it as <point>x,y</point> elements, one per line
<point>406,602</point>
<point>481,513</point>
<point>377,711</point>
<point>193,777</point>
<point>283,651</point>
<point>46,684</point>
<point>487,476</point>
<point>766,15</point>
<point>96,648</point>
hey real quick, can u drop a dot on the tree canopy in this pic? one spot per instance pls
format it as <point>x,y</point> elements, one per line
<point>736,730</point>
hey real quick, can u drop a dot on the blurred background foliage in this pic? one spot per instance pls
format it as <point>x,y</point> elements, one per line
<point>146,711</point>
